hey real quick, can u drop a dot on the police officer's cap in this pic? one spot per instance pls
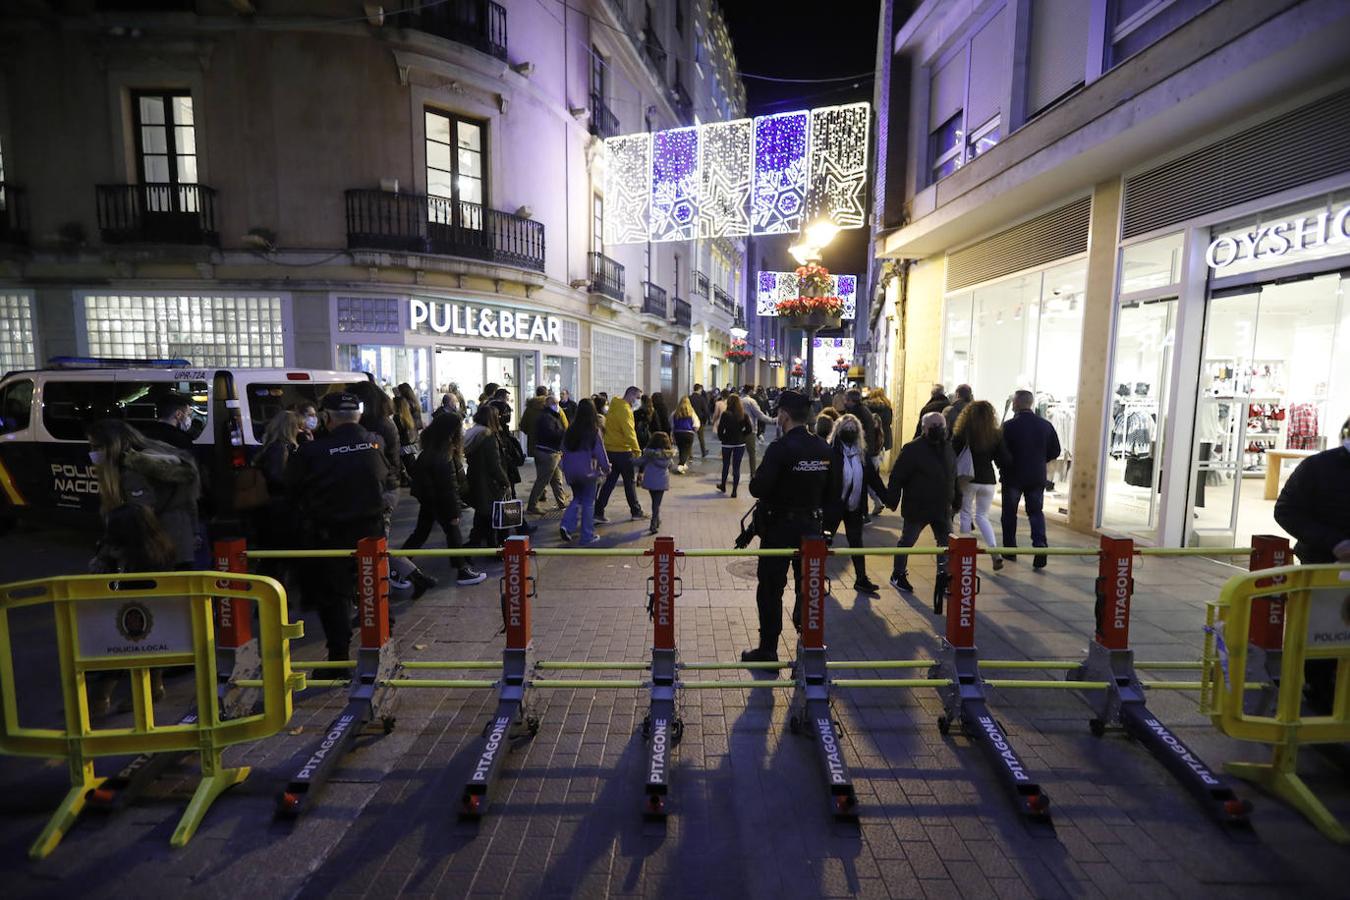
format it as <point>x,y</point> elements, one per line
<point>341,401</point>
<point>797,404</point>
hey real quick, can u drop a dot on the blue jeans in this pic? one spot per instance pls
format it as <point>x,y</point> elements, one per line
<point>1035,499</point>
<point>583,507</point>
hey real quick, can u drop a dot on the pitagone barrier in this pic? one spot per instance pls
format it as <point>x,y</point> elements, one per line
<point>1316,625</point>
<point>107,623</point>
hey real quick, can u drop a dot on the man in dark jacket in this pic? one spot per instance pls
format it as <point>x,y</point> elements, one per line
<point>703,410</point>
<point>964,397</point>
<point>1314,507</point>
<point>1031,442</point>
<point>173,422</point>
<point>937,402</point>
<point>338,481</point>
<point>546,448</point>
<point>923,485</point>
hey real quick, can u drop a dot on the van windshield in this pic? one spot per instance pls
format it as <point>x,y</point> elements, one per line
<point>70,407</point>
<point>266,400</point>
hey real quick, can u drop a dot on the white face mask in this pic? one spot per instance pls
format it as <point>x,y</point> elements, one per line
<point>96,457</point>
<point>1346,443</point>
<point>311,422</point>
<point>636,404</point>
<point>185,424</point>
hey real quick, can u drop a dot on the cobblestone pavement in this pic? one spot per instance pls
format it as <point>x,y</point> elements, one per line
<point>748,807</point>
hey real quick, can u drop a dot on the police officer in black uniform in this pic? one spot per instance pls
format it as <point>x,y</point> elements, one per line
<point>337,482</point>
<point>790,486</point>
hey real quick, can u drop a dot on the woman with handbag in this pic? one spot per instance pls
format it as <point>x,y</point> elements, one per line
<point>584,461</point>
<point>439,485</point>
<point>978,444</point>
<point>488,480</point>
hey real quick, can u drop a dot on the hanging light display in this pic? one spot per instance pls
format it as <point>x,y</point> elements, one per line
<point>731,179</point>
<point>778,286</point>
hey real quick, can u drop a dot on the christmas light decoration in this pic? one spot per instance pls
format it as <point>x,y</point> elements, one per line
<point>775,287</point>
<point>739,351</point>
<point>782,142</point>
<point>828,345</point>
<point>628,179</point>
<point>725,169</point>
<point>675,184</point>
<point>838,173</point>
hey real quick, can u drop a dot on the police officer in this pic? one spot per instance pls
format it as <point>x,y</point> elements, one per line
<point>790,486</point>
<point>337,481</point>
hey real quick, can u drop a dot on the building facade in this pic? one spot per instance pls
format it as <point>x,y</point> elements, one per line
<point>1140,211</point>
<point>417,192</point>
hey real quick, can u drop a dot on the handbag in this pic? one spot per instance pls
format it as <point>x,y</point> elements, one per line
<point>508,513</point>
<point>250,489</point>
<point>965,467</point>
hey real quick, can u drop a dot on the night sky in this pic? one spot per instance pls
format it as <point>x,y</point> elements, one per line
<point>806,40</point>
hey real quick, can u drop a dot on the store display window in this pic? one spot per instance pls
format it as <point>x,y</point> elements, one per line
<point>1274,387</point>
<point>391,366</point>
<point>205,330</point>
<point>1023,333</point>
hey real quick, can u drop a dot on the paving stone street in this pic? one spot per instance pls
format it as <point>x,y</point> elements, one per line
<point>748,809</point>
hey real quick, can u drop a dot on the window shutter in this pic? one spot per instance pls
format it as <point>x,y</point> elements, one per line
<point>948,90</point>
<point>990,55</point>
<point>1057,57</point>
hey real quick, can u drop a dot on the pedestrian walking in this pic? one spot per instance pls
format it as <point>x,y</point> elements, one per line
<point>584,461</point>
<point>567,404</point>
<point>702,412</point>
<point>338,482</point>
<point>937,402</point>
<point>487,476</point>
<point>173,422</point>
<point>686,424</point>
<point>131,468</point>
<point>825,422</point>
<point>964,397</point>
<point>642,420</point>
<point>408,433</point>
<point>758,420</point>
<point>414,402</point>
<point>923,485</point>
<point>733,430</point>
<point>623,448</point>
<point>852,474</point>
<point>654,473</point>
<point>276,522</point>
<point>660,420</point>
<point>545,438</point>
<point>1031,443</point>
<point>790,486</point>
<point>977,435</point>
<point>440,486</point>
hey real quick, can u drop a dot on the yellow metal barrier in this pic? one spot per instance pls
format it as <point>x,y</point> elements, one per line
<point>1316,626</point>
<point>138,623</point>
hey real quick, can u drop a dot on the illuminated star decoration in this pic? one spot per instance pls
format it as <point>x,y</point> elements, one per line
<point>725,170</point>
<point>628,188</point>
<point>839,163</point>
<point>781,146</point>
<point>675,184</point>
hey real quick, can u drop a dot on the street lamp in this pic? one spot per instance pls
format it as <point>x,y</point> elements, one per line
<point>811,243</point>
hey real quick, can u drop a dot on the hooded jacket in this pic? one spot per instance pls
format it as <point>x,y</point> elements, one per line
<point>167,483</point>
<point>529,420</point>
<point>488,479</point>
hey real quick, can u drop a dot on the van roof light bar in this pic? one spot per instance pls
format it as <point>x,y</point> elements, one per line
<point>105,362</point>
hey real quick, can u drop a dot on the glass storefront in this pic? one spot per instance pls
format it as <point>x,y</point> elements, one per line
<point>205,330</point>
<point>1023,333</point>
<point>18,345</point>
<point>392,366</point>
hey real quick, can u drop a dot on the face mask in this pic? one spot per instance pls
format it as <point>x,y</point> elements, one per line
<point>96,457</point>
<point>1346,443</point>
<point>848,437</point>
<point>636,404</point>
<point>311,422</point>
<point>553,406</point>
<point>185,424</point>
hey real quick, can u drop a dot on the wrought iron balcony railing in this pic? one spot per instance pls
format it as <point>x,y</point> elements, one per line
<point>606,276</point>
<point>13,214</point>
<point>416,223</point>
<point>603,121</point>
<point>723,299</point>
<point>480,24</point>
<point>654,301</point>
<point>700,288</point>
<point>157,214</point>
<point>684,315</point>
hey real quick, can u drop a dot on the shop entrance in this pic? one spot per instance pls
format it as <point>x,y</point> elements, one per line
<point>1274,388</point>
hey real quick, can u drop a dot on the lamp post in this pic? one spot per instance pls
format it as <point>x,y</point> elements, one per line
<point>739,334</point>
<point>807,251</point>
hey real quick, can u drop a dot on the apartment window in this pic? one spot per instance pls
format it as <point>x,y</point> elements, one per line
<point>945,146</point>
<point>1057,51</point>
<point>597,74</point>
<point>166,148</point>
<point>455,174</point>
<point>597,223</point>
<point>966,91</point>
<point>679,16</point>
<point>1133,25</point>
<point>647,263</point>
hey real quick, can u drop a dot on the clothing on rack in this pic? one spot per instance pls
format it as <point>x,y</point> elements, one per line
<point>1304,429</point>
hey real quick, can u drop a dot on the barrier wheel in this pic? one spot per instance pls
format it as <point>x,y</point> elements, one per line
<point>1097,727</point>
<point>387,722</point>
<point>944,725</point>
<point>838,729</point>
<point>677,730</point>
<point>487,726</point>
<point>794,725</point>
<point>532,725</point>
<point>646,727</point>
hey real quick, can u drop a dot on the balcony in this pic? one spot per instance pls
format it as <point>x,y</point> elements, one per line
<point>480,24</point>
<point>684,316</point>
<point>606,276</point>
<point>723,300</point>
<point>604,123</point>
<point>684,104</point>
<point>654,301</point>
<point>416,223</point>
<point>700,285</point>
<point>13,214</point>
<point>655,53</point>
<point>157,214</point>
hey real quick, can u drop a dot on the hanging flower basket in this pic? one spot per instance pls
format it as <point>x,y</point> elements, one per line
<point>810,311</point>
<point>739,351</point>
<point>797,371</point>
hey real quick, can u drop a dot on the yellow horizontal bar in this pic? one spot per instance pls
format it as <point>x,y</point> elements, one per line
<point>1194,551</point>
<point>564,665</point>
<point>320,664</point>
<point>880,664</point>
<point>1169,664</point>
<point>450,664</point>
<point>309,682</point>
<point>586,684</point>
<point>1049,665</point>
<point>1034,684</point>
<point>462,684</point>
<point>735,685</point>
<point>716,666</point>
<point>890,682</point>
<point>709,552</point>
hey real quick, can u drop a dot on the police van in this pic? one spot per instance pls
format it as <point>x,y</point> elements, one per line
<point>45,470</point>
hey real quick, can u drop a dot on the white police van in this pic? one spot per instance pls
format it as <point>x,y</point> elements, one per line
<point>44,456</point>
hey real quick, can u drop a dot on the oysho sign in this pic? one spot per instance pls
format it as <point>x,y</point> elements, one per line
<point>472,320</point>
<point>1266,242</point>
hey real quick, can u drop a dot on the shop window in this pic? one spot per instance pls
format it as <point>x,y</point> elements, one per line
<point>368,315</point>
<point>456,178</point>
<point>16,406</point>
<point>17,345</point>
<point>166,148</point>
<point>1299,232</point>
<point>1151,265</point>
<point>208,331</point>
<point>613,362</point>
<point>391,366</point>
<point>70,407</point>
<point>560,374</point>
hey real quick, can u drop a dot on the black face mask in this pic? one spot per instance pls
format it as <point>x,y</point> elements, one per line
<point>848,437</point>
<point>935,435</point>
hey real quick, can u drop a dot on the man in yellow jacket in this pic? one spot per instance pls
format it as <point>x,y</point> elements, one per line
<point>621,444</point>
